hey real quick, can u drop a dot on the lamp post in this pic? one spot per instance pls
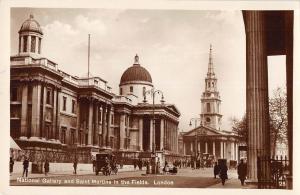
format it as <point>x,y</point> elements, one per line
<point>196,139</point>
<point>152,93</point>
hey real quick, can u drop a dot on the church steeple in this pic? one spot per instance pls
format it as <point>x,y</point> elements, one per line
<point>210,72</point>
<point>210,100</point>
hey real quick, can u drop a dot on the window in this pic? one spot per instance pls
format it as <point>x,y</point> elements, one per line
<point>64,103</point>
<point>25,43</point>
<point>40,40</point>
<point>63,135</point>
<point>86,139</point>
<point>208,84</point>
<point>131,89</point>
<point>121,91</point>
<point>48,98</point>
<point>19,44</point>
<point>95,82</point>
<point>80,137</point>
<point>208,107</point>
<point>33,39</point>
<point>72,137</point>
<point>144,91</point>
<point>112,119</point>
<point>14,94</point>
<point>213,84</point>
<point>73,106</point>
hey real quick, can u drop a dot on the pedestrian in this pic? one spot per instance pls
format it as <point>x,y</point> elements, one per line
<point>242,171</point>
<point>46,167</point>
<point>11,165</point>
<point>75,166</point>
<point>223,172</point>
<point>94,165</point>
<point>216,169</point>
<point>25,167</point>
<point>134,164</point>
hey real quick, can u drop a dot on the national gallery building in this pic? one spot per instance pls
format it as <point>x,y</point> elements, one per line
<point>59,116</point>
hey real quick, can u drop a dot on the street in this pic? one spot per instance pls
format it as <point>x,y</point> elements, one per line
<point>186,178</point>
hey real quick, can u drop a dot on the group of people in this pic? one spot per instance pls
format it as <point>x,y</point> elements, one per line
<point>221,171</point>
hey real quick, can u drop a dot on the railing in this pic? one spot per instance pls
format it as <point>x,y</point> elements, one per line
<point>272,172</point>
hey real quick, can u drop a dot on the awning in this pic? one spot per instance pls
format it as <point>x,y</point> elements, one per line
<point>14,145</point>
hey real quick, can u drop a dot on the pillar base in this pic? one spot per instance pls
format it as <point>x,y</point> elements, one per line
<point>23,138</point>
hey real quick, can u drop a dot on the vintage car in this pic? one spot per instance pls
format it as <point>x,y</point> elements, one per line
<point>105,163</point>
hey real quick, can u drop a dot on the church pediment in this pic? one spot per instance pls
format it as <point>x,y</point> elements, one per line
<point>202,130</point>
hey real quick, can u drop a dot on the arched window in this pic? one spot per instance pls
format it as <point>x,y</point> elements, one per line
<point>144,91</point>
<point>208,107</point>
<point>121,91</point>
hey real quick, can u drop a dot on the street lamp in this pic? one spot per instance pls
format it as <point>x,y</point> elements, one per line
<point>196,135</point>
<point>152,93</point>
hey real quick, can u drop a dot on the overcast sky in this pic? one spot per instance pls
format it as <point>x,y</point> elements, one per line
<point>173,46</point>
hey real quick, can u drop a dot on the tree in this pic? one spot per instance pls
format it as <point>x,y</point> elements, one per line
<point>278,120</point>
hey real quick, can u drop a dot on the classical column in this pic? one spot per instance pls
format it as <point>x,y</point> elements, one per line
<point>22,43</point>
<point>237,152</point>
<point>141,134</point>
<point>184,148</point>
<point>78,122</point>
<point>221,150</point>
<point>96,124</point>
<point>108,144</point>
<point>199,147</point>
<point>151,135</point>
<point>58,100</point>
<point>90,125</point>
<point>104,129</point>
<point>214,148</point>
<point>24,111</point>
<point>206,147</point>
<point>225,150</point>
<point>36,105</point>
<point>43,125</point>
<point>28,43</point>
<point>36,45</point>
<point>232,150</point>
<point>122,130</point>
<point>192,147</point>
<point>161,145</point>
<point>257,106</point>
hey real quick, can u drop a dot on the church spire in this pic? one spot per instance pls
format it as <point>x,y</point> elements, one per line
<point>210,72</point>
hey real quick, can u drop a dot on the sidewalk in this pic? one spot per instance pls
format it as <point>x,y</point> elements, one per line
<point>14,176</point>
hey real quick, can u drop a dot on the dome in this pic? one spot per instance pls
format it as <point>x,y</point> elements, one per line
<point>136,73</point>
<point>31,25</point>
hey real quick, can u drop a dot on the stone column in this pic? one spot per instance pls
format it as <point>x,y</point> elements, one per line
<point>24,111</point>
<point>90,124</point>
<point>22,44</point>
<point>104,129</point>
<point>78,122</point>
<point>199,146</point>
<point>53,102</point>
<point>58,99</point>
<point>221,150</point>
<point>29,43</point>
<point>141,129</point>
<point>151,135</point>
<point>43,125</point>
<point>96,124</point>
<point>36,45</point>
<point>161,134</point>
<point>122,130</point>
<point>237,152</point>
<point>36,105</point>
<point>192,147</point>
<point>232,150</point>
<point>206,147</point>
<point>214,148</point>
<point>108,144</point>
<point>225,149</point>
<point>184,148</point>
<point>257,106</point>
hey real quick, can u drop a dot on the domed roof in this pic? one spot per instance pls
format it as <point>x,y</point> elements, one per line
<point>31,25</point>
<point>136,73</point>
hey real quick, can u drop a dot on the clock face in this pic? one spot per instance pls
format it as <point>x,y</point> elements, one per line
<point>207,119</point>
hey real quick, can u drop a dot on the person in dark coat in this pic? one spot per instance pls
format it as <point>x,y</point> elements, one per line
<point>223,172</point>
<point>75,166</point>
<point>216,169</point>
<point>242,171</point>
<point>46,167</point>
<point>25,167</point>
<point>11,165</point>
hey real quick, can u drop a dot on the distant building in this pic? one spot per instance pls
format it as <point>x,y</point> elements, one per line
<point>58,116</point>
<point>208,137</point>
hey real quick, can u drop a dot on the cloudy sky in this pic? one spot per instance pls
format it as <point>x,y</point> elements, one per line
<point>173,46</point>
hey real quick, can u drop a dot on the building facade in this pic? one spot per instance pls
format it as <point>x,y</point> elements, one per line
<point>61,117</point>
<point>209,138</point>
